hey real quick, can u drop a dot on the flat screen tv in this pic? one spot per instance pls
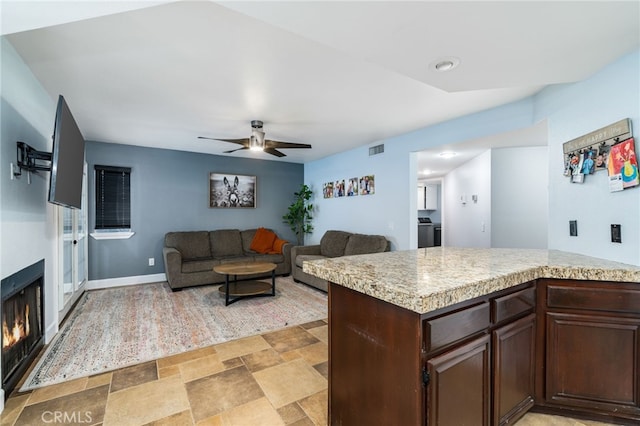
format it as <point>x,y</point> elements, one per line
<point>67,159</point>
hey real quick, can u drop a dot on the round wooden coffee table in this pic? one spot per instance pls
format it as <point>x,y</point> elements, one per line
<point>246,288</point>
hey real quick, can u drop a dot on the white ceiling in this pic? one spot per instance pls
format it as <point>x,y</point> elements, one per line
<point>337,75</point>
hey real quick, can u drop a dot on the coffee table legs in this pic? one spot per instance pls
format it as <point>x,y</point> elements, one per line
<point>259,293</point>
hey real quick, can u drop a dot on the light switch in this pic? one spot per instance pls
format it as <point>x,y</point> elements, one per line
<point>573,228</point>
<point>616,233</point>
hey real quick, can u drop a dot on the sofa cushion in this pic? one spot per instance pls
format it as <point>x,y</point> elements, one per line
<point>272,258</point>
<point>263,241</point>
<point>278,244</point>
<point>198,266</point>
<point>301,258</point>
<point>333,243</point>
<point>191,245</point>
<point>226,242</point>
<point>364,244</point>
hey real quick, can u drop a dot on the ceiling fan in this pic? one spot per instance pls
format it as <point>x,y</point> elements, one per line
<point>257,142</point>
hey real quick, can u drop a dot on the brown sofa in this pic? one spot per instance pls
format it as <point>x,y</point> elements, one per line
<point>334,244</point>
<point>189,257</point>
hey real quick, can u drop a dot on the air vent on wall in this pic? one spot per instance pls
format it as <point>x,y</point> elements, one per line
<point>375,150</point>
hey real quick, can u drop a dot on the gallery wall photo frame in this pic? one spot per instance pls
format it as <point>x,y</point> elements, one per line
<point>351,187</point>
<point>230,190</point>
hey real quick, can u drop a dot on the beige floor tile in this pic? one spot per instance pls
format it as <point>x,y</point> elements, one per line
<point>291,413</point>
<point>212,395</point>
<point>306,421</point>
<point>185,356</point>
<point>56,391</point>
<point>182,418</point>
<point>172,370</point>
<point>291,355</point>
<point>289,339</point>
<point>321,333</point>
<point>133,376</point>
<point>99,380</point>
<point>211,421</point>
<point>537,419</point>
<point>262,359</point>
<point>146,402</point>
<point>240,347</point>
<point>289,382</point>
<point>200,367</point>
<point>313,324</point>
<point>258,412</point>
<point>316,407</point>
<point>12,409</point>
<point>84,407</point>
<point>316,353</point>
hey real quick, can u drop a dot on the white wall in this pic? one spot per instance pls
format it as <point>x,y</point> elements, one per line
<point>572,111</point>
<point>468,224</point>
<point>519,197</point>
<point>27,221</point>
<point>391,211</point>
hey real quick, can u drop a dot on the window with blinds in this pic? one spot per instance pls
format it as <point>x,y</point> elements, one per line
<point>113,198</point>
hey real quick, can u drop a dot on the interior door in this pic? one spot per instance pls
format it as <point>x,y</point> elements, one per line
<point>73,253</point>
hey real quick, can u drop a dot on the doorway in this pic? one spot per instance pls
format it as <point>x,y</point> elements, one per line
<point>73,249</point>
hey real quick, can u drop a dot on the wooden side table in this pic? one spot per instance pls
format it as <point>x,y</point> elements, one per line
<point>247,288</point>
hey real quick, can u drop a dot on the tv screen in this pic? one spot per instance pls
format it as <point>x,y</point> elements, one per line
<point>67,159</point>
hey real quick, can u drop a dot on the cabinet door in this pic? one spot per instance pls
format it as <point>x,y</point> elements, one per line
<point>513,369</point>
<point>421,198</point>
<point>593,363</point>
<point>459,382</point>
<point>431,197</point>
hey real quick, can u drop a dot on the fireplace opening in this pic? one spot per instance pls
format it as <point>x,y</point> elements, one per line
<point>22,322</point>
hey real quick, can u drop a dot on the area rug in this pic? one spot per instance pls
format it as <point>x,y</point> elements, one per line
<point>118,327</point>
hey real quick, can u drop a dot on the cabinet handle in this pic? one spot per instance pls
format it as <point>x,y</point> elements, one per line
<point>425,377</point>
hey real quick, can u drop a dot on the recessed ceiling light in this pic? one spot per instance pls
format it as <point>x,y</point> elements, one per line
<point>447,154</point>
<point>445,64</point>
<point>427,172</point>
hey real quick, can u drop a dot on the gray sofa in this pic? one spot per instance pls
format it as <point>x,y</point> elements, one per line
<point>334,244</point>
<point>189,257</point>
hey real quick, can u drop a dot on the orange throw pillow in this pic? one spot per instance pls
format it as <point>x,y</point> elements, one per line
<point>277,246</point>
<point>263,241</point>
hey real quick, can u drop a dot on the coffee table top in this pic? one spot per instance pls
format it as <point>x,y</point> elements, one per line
<point>244,268</point>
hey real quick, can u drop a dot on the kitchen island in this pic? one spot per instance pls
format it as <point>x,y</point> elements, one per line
<point>480,336</point>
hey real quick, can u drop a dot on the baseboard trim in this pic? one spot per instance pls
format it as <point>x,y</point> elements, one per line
<point>124,281</point>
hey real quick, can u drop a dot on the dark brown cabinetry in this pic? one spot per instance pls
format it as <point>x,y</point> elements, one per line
<point>471,363</point>
<point>592,339</point>
<point>458,392</point>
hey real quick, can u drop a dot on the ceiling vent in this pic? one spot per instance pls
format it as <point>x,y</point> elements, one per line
<point>375,150</point>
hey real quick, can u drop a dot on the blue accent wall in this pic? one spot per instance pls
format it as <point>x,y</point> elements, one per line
<point>169,192</point>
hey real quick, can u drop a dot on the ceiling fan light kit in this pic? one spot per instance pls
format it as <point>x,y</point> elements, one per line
<point>257,142</point>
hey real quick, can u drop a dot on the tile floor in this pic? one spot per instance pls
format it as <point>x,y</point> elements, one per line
<point>278,378</point>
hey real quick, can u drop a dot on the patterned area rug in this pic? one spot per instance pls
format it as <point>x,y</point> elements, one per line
<point>115,328</point>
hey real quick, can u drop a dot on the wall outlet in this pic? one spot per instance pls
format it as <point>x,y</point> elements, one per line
<point>616,234</point>
<point>152,261</point>
<point>573,228</point>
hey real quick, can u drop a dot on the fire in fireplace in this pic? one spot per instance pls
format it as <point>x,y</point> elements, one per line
<point>22,322</point>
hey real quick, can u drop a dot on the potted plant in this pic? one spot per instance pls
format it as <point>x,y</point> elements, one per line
<point>299,215</point>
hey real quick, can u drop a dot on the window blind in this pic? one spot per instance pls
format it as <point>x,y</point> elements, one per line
<point>113,197</point>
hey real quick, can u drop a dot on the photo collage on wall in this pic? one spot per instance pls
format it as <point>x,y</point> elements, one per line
<point>351,187</point>
<point>610,148</point>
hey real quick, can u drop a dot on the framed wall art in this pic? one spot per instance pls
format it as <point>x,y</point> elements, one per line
<point>227,190</point>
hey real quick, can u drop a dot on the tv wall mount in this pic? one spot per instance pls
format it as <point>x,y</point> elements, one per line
<point>31,160</point>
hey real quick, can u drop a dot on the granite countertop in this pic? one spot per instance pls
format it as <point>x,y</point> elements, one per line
<point>427,279</point>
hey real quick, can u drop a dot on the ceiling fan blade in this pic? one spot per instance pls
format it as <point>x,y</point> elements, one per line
<point>234,150</point>
<point>244,141</point>
<point>279,144</point>
<point>275,152</point>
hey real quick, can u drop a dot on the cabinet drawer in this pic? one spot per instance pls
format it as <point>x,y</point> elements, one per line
<point>440,332</point>
<point>592,298</point>
<point>513,304</point>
